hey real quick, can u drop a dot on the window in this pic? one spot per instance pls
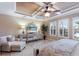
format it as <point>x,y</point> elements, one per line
<point>76,27</point>
<point>63,27</point>
<point>53,28</point>
<point>31,27</point>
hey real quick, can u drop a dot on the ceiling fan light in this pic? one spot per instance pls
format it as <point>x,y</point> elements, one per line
<point>43,10</point>
<point>47,14</point>
<point>51,9</point>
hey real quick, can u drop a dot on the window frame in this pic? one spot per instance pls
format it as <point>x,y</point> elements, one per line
<point>63,28</point>
<point>52,23</point>
<point>75,18</point>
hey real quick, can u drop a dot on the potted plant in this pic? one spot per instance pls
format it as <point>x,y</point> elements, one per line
<point>44,29</point>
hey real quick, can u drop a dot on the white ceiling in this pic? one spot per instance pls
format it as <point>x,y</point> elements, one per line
<point>65,5</point>
<point>70,10</point>
<point>7,6</point>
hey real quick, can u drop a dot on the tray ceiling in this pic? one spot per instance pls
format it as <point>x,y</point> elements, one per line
<point>27,8</point>
<point>32,9</point>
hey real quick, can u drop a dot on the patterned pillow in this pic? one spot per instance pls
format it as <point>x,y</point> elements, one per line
<point>8,39</point>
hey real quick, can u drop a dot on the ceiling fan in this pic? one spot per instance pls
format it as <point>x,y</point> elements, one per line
<point>49,8</point>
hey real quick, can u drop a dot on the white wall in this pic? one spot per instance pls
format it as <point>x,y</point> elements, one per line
<point>8,6</point>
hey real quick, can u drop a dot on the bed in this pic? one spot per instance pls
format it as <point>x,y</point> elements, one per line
<point>63,47</point>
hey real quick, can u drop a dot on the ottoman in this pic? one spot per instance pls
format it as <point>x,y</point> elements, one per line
<point>18,46</point>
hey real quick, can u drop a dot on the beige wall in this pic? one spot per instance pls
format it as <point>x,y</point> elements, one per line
<point>7,25</point>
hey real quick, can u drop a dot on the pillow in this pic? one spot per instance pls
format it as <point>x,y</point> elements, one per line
<point>9,39</point>
<point>13,38</point>
<point>30,35</point>
<point>17,39</point>
<point>0,41</point>
<point>3,39</point>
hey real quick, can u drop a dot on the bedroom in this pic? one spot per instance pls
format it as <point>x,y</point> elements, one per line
<point>23,21</point>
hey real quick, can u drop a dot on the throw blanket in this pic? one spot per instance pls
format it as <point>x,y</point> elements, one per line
<point>63,47</point>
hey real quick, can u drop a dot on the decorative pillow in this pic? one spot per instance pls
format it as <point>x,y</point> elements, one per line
<point>13,38</point>
<point>9,39</point>
<point>3,39</point>
<point>0,39</point>
<point>17,39</point>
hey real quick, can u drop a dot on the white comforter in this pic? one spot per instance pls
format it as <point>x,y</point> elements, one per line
<point>63,47</point>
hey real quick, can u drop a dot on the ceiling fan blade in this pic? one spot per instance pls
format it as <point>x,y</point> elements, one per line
<point>19,13</point>
<point>57,11</point>
<point>46,3</point>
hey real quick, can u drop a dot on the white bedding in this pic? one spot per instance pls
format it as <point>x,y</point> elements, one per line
<point>63,47</point>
